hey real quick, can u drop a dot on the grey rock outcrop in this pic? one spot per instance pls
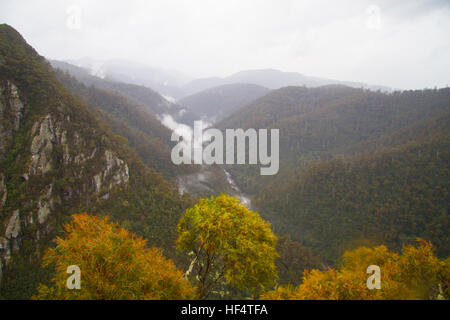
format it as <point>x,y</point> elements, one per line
<point>11,114</point>
<point>46,135</point>
<point>85,170</point>
<point>115,167</point>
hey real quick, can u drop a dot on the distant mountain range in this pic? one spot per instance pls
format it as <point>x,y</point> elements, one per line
<point>272,79</point>
<point>211,99</point>
<point>174,85</point>
<point>166,82</point>
<point>218,102</point>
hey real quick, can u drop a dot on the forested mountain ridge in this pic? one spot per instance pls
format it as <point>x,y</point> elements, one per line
<point>321,123</point>
<point>144,97</point>
<point>388,197</point>
<point>166,82</point>
<point>58,158</point>
<point>356,167</point>
<point>141,127</point>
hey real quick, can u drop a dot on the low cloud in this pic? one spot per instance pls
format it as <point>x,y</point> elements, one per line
<point>402,44</point>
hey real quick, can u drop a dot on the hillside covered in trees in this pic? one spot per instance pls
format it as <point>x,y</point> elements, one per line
<point>363,175</point>
<point>59,158</point>
<point>240,254</point>
<point>356,166</point>
<point>143,97</point>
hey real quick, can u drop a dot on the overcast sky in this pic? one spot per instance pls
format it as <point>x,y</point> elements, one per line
<point>402,44</point>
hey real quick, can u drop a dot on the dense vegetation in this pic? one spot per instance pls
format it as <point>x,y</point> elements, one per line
<point>389,197</point>
<point>113,264</point>
<point>147,204</point>
<point>356,167</point>
<point>140,126</point>
<point>229,244</point>
<point>415,274</point>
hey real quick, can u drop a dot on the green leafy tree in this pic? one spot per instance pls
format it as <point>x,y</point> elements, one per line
<point>229,244</point>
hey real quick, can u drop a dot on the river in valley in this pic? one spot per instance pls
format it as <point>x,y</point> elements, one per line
<point>209,181</point>
<point>245,200</point>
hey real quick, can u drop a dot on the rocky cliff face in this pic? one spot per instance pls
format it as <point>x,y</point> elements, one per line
<point>55,151</point>
<point>11,113</point>
<point>58,158</point>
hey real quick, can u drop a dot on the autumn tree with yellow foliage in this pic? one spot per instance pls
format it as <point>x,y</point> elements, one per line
<point>415,274</point>
<point>228,244</point>
<point>114,264</point>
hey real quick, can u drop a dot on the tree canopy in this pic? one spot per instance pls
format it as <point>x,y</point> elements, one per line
<point>415,274</point>
<point>114,264</point>
<point>228,244</point>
